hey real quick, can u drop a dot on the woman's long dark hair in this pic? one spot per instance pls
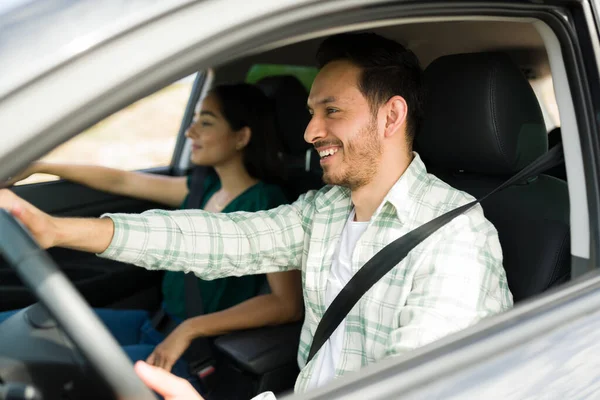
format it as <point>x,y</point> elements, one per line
<point>244,105</point>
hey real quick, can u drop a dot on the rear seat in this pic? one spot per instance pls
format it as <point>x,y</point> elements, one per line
<point>302,162</point>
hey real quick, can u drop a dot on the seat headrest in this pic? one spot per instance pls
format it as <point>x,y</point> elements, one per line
<point>481,116</point>
<point>290,98</point>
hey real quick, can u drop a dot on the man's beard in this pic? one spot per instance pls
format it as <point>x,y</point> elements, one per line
<point>360,160</point>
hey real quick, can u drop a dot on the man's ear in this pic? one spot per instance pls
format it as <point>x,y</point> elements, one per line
<point>243,138</point>
<point>396,112</point>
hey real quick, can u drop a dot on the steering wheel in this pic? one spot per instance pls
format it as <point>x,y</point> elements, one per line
<point>39,272</point>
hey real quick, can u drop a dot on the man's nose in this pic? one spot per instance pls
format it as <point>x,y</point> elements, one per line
<point>315,130</point>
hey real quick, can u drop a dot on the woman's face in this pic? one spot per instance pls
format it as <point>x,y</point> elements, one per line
<point>213,141</point>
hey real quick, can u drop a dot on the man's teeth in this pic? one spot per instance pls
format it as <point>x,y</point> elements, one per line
<point>327,152</point>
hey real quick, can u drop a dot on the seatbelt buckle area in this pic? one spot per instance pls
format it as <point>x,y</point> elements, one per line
<point>158,319</point>
<point>205,371</point>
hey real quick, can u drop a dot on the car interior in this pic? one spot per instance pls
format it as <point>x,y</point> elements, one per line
<point>483,123</point>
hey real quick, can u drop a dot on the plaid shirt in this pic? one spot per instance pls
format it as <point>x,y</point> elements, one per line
<point>450,281</point>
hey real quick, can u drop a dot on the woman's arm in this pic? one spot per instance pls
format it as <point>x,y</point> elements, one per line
<point>284,304</point>
<point>166,190</point>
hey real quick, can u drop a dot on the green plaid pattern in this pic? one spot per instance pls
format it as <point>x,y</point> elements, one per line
<point>448,282</point>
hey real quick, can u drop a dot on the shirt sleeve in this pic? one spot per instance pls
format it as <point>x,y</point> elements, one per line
<point>213,245</point>
<point>458,281</point>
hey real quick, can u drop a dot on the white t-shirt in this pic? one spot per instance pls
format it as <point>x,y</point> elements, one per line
<point>339,275</point>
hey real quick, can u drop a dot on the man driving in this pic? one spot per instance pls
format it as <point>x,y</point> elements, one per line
<point>366,103</point>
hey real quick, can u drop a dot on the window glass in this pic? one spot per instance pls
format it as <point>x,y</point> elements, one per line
<point>544,90</point>
<point>140,136</point>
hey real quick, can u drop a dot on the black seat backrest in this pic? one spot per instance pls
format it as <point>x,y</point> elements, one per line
<point>483,124</point>
<point>303,169</point>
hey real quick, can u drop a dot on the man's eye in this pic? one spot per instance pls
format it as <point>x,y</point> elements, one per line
<point>204,123</point>
<point>331,110</point>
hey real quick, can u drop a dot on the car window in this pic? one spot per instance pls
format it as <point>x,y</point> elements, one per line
<point>544,90</point>
<point>140,136</point>
<point>306,75</point>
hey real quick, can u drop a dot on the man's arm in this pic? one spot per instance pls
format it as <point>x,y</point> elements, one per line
<point>92,235</point>
<point>171,387</point>
<point>85,234</point>
<point>460,281</point>
<point>213,245</point>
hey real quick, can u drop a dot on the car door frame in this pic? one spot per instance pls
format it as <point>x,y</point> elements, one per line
<point>559,306</point>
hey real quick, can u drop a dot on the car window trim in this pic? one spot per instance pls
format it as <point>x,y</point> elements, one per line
<point>180,159</point>
<point>185,66</point>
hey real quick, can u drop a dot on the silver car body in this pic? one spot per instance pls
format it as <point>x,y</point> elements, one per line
<point>68,64</point>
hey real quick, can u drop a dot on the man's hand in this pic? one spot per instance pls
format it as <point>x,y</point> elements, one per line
<point>41,225</point>
<point>166,384</point>
<point>166,354</point>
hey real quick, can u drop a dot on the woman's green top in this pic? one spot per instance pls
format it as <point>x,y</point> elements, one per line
<point>220,294</point>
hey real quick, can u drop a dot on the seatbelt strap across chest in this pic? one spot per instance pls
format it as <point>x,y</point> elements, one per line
<point>392,254</point>
<point>199,354</point>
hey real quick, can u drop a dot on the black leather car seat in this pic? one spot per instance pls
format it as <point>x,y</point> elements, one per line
<point>265,359</point>
<point>483,124</point>
<point>302,162</point>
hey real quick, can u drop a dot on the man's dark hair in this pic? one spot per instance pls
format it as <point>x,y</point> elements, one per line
<point>388,69</point>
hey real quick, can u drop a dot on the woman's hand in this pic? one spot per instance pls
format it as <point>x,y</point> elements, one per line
<point>32,169</point>
<point>166,354</point>
<point>167,385</point>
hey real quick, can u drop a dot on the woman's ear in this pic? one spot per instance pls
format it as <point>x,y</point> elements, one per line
<point>243,138</point>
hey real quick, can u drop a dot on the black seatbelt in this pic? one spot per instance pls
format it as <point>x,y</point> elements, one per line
<point>392,254</point>
<point>193,299</point>
<point>199,354</point>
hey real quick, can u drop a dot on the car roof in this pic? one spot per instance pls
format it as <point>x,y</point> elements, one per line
<point>36,36</point>
<point>52,90</point>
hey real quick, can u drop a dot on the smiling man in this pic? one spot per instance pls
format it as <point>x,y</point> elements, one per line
<point>366,104</point>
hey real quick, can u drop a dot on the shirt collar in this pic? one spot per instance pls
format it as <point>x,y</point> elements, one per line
<point>405,192</point>
<point>333,195</point>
